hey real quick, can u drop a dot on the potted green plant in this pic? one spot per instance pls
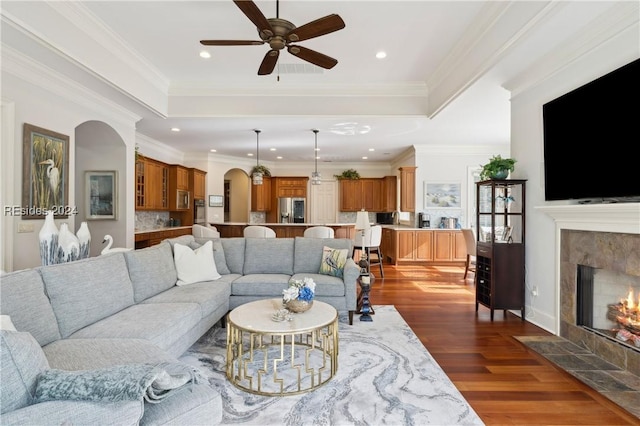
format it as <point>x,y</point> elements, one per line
<point>350,174</point>
<point>259,168</point>
<point>497,168</point>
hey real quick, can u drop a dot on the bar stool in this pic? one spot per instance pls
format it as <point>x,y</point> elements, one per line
<point>370,243</point>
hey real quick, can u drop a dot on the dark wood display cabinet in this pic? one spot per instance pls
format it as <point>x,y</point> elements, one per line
<point>500,231</point>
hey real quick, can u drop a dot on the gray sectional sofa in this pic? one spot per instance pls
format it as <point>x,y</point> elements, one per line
<point>125,308</point>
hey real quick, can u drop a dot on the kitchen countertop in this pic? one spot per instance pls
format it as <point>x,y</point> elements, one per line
<point>394,227</point>
<point>164,228</point>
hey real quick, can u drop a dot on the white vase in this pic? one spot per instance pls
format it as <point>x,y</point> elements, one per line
<point>84,238</point>
<point>68,245</point>
<point>48,237</point>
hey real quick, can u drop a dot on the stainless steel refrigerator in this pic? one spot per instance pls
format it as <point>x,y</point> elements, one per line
<point>291,210</point>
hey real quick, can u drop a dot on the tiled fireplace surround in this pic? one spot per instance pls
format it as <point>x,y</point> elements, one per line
<point>601,236</point>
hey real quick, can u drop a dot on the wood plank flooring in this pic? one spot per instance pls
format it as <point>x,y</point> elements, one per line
<point>505,383</point>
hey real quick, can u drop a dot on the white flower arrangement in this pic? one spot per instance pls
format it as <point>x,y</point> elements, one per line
<point>299,290</point>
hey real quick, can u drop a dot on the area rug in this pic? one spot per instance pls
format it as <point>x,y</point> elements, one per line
<point>385,377</point>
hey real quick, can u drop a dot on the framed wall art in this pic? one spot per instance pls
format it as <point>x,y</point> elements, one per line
<point>216,201</point>
<point>45,173</point>
<point>441,195</point>
<point>101,194</point>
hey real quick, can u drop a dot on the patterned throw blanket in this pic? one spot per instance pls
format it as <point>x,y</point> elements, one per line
<point>151,383</point>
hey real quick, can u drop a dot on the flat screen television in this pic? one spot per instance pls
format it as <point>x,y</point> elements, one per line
<point>591,136</point>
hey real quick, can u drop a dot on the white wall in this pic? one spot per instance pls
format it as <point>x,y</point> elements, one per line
<point>603,56</point>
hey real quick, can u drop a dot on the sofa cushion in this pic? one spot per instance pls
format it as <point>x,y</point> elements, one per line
<point>308,252</point>
<point>195,265</point>
<point>21,361</point>
<point>161,323</point>
<point>234,253</point>
<point>86,291</point>
<point>260,285</point>
<point>268,256</point>
<point>218,253</point>
<point>185,240</point>
<point>151,270</point>
<point>24,300</point>
<point>333,261</point>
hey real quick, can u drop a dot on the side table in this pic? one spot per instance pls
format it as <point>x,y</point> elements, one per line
<point>364,307</point>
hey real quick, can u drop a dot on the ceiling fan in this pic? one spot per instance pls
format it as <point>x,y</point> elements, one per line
<point>280,33</point>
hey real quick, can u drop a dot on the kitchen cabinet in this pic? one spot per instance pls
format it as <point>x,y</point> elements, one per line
<point>261,196</point>
<point>407,188</point>
<point>424,245</point>
<point>370,194</point>
<point>500,249</point>
<point>294,187</point>
<point>197,183</point>
<point>288,231</point>
<point>350,195</point>
<point>414,246</point>
<point>179,193</point>
<point>387,245</point>
<point>449,246</point>
<point>151,185</point>
<point>389,193</point>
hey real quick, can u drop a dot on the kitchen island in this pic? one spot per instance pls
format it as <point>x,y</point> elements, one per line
<point>283,230</point>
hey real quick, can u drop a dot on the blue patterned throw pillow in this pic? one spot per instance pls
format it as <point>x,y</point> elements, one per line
<point>333,261</point>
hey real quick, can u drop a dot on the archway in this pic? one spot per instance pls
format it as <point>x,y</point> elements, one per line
<point>100,148</point>
<point>237,196</point>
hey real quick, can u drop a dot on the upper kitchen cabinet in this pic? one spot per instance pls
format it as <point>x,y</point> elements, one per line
<point>151,185</point>
<point>261,196</point>
<point>290,187</point>
<point>407,188</point>
<point>371,194</point>
<point>389,193</point>
<point>179,194</point>
<point>197,179</point>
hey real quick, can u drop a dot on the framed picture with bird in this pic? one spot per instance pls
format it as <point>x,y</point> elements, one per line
<point>45,173</point>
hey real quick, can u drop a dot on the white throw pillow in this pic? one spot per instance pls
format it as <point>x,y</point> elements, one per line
<point>195,265</point>
<point>6,323</point>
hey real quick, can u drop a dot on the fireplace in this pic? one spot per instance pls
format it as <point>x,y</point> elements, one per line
<point>607,265</point>
<point>606,304</point>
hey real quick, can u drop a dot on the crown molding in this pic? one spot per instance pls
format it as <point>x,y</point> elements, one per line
<point>618,20</point>
<point>461,149</point>
<point>47,79</point>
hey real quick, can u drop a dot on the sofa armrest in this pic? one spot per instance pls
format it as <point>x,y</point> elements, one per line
<point>76,413</point>
<point>350,277</point>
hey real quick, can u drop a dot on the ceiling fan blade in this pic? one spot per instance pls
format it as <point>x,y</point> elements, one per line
<point>269,62</point>
<point>322,26</point>
<point>252,12</point>
<point>312,56</point>
<point>231,42</point>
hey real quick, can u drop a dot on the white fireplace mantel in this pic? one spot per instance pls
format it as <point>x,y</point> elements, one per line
<point>615,217</point>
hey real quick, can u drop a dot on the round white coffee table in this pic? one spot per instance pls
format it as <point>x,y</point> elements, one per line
<point>266,357</point>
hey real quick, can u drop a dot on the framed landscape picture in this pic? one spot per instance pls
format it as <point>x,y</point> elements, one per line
<point>45,173</point>
<point>441,195</point>
<point>101,190</point>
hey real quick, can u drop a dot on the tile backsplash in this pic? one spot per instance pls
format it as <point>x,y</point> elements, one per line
<point>151,220</point>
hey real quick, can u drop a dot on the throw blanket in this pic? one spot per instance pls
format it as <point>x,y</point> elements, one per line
<point>133,382</point>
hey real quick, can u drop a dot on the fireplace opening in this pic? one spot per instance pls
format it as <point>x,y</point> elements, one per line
<point>608,304</point>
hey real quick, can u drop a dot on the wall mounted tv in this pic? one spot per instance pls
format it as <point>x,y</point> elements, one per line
<point>591,135</point>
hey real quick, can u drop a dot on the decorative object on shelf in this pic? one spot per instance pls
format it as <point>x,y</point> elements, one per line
<point>350,174</point>
<point>109,240</point>
<point>84,238</point>
<point>258,170</point>
<point>315,176</point>
<point>48,237</point>
<point>362,225</point>
<point>299,296</point>
<point>497,168</point>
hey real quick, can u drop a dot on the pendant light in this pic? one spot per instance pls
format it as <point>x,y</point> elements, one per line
<point>256,176</point>
<point>315,176</point>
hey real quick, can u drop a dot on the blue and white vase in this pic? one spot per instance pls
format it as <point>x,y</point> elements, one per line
<point>84,237</point>
<point>48,237</point>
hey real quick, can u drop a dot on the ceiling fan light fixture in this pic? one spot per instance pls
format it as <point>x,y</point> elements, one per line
<point>316,178</point>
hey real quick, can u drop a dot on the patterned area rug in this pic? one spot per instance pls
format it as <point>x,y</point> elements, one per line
<point>385,376</point>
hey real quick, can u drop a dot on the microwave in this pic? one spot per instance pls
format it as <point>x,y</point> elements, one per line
<point>182,200</point>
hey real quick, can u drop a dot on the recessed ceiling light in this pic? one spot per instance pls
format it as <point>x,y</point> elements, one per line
<point>279,157</point>
<point>204,54</point>
<point>213,150</point>
<point>272,149</point>
<point>250,154</point>
<point>371,149</point>
<point>365,158</point>
<point>175,129</point>
<point>381,54</point>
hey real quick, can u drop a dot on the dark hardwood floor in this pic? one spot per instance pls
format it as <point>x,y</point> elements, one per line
<point>504,382</point>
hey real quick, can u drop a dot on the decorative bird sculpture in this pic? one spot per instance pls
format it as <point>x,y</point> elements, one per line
<point>53,174</point>
<point>109,240</point>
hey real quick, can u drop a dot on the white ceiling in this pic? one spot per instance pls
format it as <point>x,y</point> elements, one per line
<point>362,103</point>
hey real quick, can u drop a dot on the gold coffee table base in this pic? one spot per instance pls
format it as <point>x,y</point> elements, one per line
<point>271,358</point>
